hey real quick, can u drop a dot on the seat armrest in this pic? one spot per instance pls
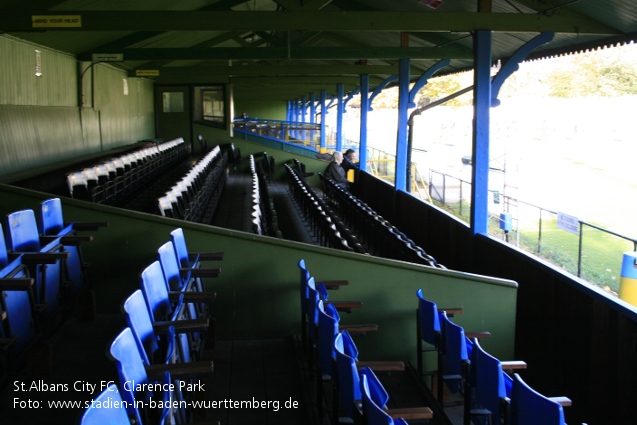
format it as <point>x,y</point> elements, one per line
<point>346,306</point>
<point>411,413</point>
<point>16,283</point>
<point>44,257</point>
<point>182,326</point>
<point>371,327</point>
<point>472,335</point>
<point>513,365</point>
<point>199,272</point>
<point>181,370</point>
<point>192,297</point>
<point>206,256</point>
<point>453,310</point>
<point>562,401</point>
<point>334,284</point>
<point>382,366</point>
<point>88,225</point>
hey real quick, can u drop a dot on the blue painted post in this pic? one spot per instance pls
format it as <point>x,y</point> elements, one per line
<point>481,109</point>
<point>312,115</point>
<point>362,154</point>
<point>340,94</point>
<point>401,142</point>
<point>323,117</point>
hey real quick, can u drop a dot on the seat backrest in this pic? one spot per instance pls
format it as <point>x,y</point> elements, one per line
<point>377,391</point>
<point>303,278</point>
<point>528,407</point>
<point>375,414</point>
<point>22,232</point>
<point>348,380</point>
<point>4,255</point>
<point>488,381</point>
<point>131,372</point>
<point>454,346</point>
<point>179,243</point>
<point>428,319</point>
<point>328,320</point>
<point>51,217</point>
<point>106,409</point>
<point>155,293</point>
<point>138,320</point>
<point>170,267</point>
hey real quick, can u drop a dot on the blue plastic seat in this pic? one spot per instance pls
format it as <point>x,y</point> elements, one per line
<point>151,348</point>
<point>191,260</point>
<point>18,314</point>
<point>106,409</point>
<point>172,306</point>
<point>130,369</point>
<point>348,381</point>
<point>52,224</point>
<point>374,414</point>
<point>456,351</point>
<point>44,261</point>
<point>528,407</point>
<point>491,385</point>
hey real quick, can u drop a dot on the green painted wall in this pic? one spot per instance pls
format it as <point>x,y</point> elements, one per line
<point>258,290</point>
<point>41,121</point>
<point>266,109</point>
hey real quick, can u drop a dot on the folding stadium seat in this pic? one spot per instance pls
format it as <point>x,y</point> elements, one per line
<point>52,224</point>
<point>304,292</point>
<point>159,342</point>
<point>18,314</point>
<point>78,187</point>
<point>375,414</point>
<point>328,327</point>
<point>191,260</point>
<point>171,306</point>
<point>106,409</point>
<point>44,261</point>
<point>428,328</point>
<point>134,377</point>
<point>528,407</point>
<point>491,387</point>
<point>347,375</point>
<point>455,358</point>
<point>380,397</point>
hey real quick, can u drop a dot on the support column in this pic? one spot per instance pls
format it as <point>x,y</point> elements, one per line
<point>323,117</point>
<point>401,142</point>
<point>340,94</point>
<point>481,116</point>
<point>362,154</point>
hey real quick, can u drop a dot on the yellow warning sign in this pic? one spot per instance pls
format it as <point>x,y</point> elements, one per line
<point>56,21</point>
<point>147,72</point>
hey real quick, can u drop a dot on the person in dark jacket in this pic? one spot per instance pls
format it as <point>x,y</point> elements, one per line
<point>335,172</point>
<point>350,160</point>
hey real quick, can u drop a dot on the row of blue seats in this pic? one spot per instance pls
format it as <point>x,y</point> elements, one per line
<point>264,216</point>
<point>359,396</point>
<point>169,328</point>
<point>491,394</point>
<point>195,196</point>
<point>113,180</point>
<point>42,272</point>
<point>326,226</point>
<point>376,234</point>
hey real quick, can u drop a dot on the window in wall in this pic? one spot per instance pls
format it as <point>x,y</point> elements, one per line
<point>209,105</point>
<point>173,101</point>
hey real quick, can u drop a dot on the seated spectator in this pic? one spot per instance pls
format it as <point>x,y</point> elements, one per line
<point>350,160</point>
<point>336,172</point>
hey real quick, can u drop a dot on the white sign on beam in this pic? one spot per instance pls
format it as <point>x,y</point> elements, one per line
<point>108,57</point>
<point>568,223</point>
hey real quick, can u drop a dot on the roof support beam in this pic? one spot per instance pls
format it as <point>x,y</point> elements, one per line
<point>291,53</point>
<point>305,21</point>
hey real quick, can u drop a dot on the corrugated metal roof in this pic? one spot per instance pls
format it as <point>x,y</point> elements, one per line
<point>578,26</point>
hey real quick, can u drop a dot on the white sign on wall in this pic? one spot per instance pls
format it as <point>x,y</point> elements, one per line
<point>568,223</point>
